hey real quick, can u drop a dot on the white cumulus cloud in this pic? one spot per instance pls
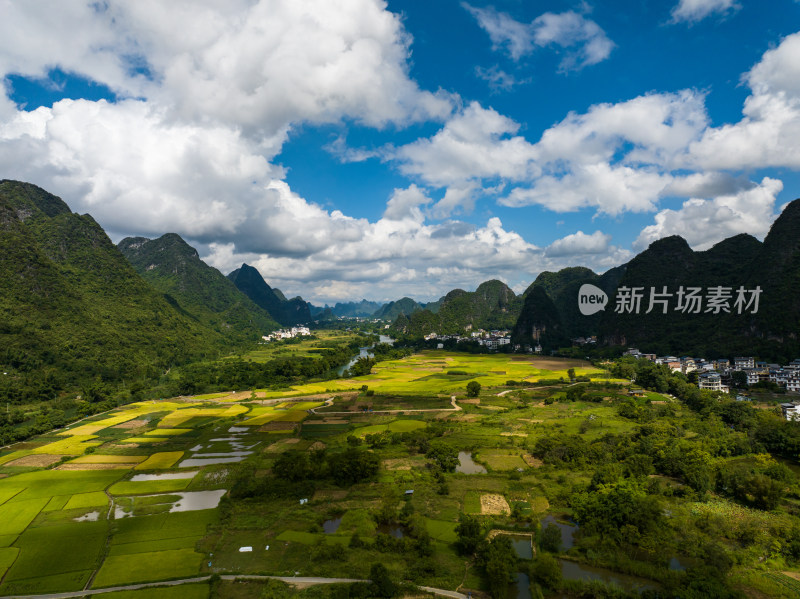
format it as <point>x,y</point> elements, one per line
<point>704,222</point>
<point>693,11</point>
<point>585,40</point>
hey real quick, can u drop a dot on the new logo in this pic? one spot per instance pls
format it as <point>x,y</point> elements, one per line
<point>591,299</point>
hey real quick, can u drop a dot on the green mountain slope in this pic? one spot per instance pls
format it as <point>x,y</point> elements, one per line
<point>72,309</point>
<point>392,310</point>
<point>539,322</point>
<point>287,312</point>
<point>740,261</point>
<point>562,288</point>
<point>173,267</point>
<point>493,305</point>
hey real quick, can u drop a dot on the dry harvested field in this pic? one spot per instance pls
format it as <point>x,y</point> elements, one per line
<point>494,504</point>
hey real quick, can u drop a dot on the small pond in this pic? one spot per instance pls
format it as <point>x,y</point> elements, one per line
<point>395,530</point>
<point>467,466</point>
<point>574,571</point>
<point>567,531</point>
<point>239,429</point>
<point>332,525</point>
<point>522,545</point>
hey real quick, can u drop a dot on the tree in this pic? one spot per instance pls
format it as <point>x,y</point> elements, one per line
<point>499,561</point>
<point>739,379</point>
<point>353,465</point>
<point>571,374</point>
<point>292,465</point>
<point>382,584</point>
<point>473,388</point>
<point>551,538</point>
<point>470,534</point>
<point>445,456</point>
<point>546,571</point>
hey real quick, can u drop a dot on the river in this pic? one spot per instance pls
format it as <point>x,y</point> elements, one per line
<point>364,353</point>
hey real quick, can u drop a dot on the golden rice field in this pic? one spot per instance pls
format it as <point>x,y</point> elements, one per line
<point>446,373</point>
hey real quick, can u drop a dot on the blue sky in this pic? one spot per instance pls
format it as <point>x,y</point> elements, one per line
<point>366,149</point>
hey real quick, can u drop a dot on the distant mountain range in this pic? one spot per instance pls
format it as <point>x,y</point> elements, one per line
<point>493,305</point>
<point>709,298</point>
<point>75,307</point>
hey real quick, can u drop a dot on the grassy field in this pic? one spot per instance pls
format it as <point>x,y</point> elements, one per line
<point>302,348</point>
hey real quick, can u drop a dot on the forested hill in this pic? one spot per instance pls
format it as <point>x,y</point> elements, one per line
<point>562,320</point>
<point>738,262</point>
<point>173,267</point>
<point>287,312</point>
<point>392,310</point>
<point>730,324</point>
<point>493,305</point>
<point>72,309</point>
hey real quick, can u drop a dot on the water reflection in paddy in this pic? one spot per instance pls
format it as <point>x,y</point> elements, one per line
<point>467,466</point>
<point>223,454</point>
<point>90,517</point>
<point>186,501</point>
<point>199,462</point>
<point>167,476</point>
<point>574,571</point>
<point>332,525</point>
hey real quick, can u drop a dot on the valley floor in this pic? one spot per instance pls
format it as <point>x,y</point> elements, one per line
<point>199,486</point>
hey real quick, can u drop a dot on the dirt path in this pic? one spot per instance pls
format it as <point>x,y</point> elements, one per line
<point>299,581</point>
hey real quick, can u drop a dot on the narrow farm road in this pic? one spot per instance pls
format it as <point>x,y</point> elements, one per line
<point>329,402</point>
<point>298,580</point>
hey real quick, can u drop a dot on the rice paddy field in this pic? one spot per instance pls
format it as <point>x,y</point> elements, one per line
<point>143,493</point>
<point>433,373</point>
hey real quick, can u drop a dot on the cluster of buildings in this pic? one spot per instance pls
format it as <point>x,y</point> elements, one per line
<point>286,333</point>
<point>717,375</point>
<point>489,339</point>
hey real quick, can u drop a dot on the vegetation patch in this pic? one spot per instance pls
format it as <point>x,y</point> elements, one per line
<point>144,567</point>
<point>64,548</point>
<point>35,461</point>
<point>75,445</point>
<point>69,581</point>
<point>17,515</point>
<point>167,432</point>
<point>183,591</point>
<point>82,500</point>
<point>149,486</point>
<point>109,459</point>
<point>160,460</point>
<point>502,460</point>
